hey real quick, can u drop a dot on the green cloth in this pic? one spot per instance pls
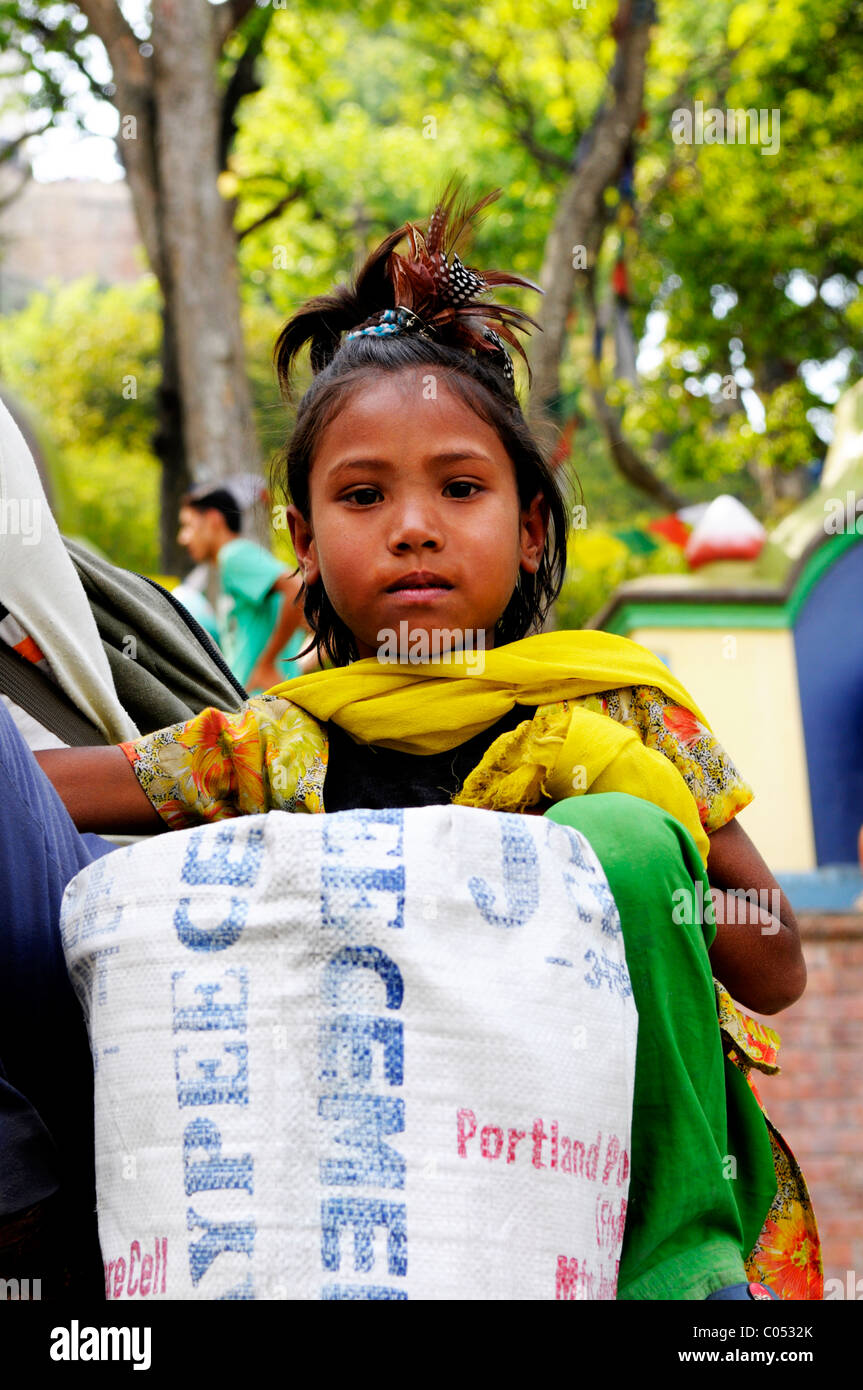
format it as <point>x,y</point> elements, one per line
<point>636,539</point>
<point>248,608</point>
<point>702,1177</point>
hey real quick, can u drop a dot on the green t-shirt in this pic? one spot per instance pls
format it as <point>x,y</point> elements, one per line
<point>248,607</point>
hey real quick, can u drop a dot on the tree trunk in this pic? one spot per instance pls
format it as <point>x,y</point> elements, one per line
<point>169,447</point>
<point>200,246</point>
<point>580,205</point>
<point>625,457</point>
<point>169,143</point>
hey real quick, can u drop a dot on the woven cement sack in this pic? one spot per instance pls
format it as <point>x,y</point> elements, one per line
<point>367,1055</point>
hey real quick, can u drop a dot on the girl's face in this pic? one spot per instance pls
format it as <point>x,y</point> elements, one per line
<point>415,514</point>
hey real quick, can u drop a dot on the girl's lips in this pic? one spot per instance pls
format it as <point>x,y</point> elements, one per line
<point>422,595</point>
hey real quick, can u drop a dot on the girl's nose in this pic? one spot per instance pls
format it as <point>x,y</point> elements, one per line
<point>416,526</point>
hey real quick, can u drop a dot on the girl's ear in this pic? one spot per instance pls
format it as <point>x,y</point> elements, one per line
<point>304,545</point>
<point>534,528</point>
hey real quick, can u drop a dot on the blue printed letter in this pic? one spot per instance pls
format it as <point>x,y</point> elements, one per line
<point>219,868</point>
<point>520,877</point>
<point>367,958</point>
<point>373,1162</point>
<point>364,1214</point>
<point>213,1172</point>
<point>237,1236</point>
<point>222,936</point>
<point>207,1086</point>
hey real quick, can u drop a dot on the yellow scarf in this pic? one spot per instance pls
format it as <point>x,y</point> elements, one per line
<point>563,751</point>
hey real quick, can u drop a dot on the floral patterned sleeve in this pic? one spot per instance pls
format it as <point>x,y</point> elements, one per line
<point>716,785</point>
<point>267,755</point>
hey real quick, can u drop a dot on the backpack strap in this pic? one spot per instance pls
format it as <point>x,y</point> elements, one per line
<point>44,701</point>
<point>165,670</point>
<point>199,633</point>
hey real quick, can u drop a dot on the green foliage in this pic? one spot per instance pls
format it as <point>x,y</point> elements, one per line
<point>733,233</point>
<point>110,498</point>
<point>85,361</point>
<point>375,108</point>
<point>374,117</point>
<point>261,324</point>
<point>88,360</point>
<point>45,39</point>
<point>598,562</point>
<point>366,111</point>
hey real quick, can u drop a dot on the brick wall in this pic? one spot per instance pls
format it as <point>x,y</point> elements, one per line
<point>817,1099</point>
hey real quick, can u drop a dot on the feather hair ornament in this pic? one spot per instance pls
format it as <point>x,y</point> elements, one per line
<point>430,292</point>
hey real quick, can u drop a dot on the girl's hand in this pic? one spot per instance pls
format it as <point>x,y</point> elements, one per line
<point>756,953</point>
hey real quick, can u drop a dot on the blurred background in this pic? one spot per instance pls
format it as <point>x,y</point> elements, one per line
<point>684,181</point>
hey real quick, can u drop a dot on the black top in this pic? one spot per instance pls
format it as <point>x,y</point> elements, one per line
<point>363,774</point>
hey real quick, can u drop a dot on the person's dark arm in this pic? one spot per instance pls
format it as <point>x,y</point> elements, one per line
<point>266,673</point>
<point>756,953</point>
<point>100,790</point>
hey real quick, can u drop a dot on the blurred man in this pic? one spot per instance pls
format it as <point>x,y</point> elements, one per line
<point>259,617</point>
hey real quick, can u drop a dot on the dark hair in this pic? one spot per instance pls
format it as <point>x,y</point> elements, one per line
<point>218,499</point>
<point>474,366</point>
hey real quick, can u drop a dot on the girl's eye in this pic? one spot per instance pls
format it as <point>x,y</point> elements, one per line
<point>462,483</point>
<point>363,496</point>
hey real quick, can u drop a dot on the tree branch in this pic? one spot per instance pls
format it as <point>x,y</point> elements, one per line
<point>9,198</point>
<point>487,74</point>
<point>133,77</point>
<point>106,21</point>
<point>274,211</point>
<point>11,146</point>
<point>524,124</point>
<point>600,155</point>
<point>50,37</point>
<point>243,83</point>
<point>719,71</point>
<point>624,456</point>
<point>227,17</point>
<point>626,459</point>
<point>483,71</point>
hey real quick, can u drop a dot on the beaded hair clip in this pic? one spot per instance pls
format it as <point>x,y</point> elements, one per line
<point>436,294</point>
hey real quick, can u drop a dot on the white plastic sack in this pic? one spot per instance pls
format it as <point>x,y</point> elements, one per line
<point>367,1055</point>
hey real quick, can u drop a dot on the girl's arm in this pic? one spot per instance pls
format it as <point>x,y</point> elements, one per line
<point>756,953</point>
<point>100,790</point>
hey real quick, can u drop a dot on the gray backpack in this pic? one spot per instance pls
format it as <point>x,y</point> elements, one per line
<point>165,667</point>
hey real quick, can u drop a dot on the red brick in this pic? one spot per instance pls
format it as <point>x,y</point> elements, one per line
<point>817,1099</point>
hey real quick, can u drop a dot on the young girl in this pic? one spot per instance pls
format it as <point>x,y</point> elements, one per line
<point>423,514</point>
